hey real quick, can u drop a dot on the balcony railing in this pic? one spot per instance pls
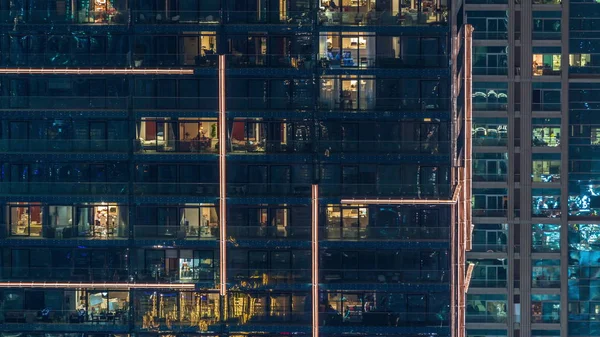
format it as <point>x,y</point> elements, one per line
<point>353,275</point>
<point>479,212</point>
<point>488,247</point>
<point>269,232</point>
<point>354,58</point>
<point>405,17</point>
<point>487,283</point>
<point>207,145</point>
<point>64,188</point>
<point>500,177</point>
<point>382,190</point>
<point>385,318</point>
<point>64,102</point>
<point>249,277</point>
<point>105,60</point>
<point>367,232</point>
<point>74,316</point>
<point>178,232</point>
<point>21,16</point>
<point>64,146</point>
<point>75,274</point>
<point>486,318</point>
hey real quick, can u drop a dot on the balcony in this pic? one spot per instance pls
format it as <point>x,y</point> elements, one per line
<point>266,232</point>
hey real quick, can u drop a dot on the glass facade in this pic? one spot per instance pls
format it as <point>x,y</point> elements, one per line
<point>157,160</point>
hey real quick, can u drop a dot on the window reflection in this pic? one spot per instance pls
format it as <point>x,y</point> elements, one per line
<point>383,309</point>
<point>545,308</point>
<point>545,273</point>
<point>65,306</point>
<point>584,200</point>
<point>268,308</point>
<point>490,131</point>
<point>545,238</point>
<point>486,308</point>
<point>490,96</point>
<point>491,202</point>
<point>584,237</point>
<point>490,237</point>
<point>176,309</point>
<point>489,273</point>
<point>546,203</point>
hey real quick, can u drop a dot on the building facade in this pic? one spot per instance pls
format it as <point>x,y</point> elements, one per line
<point>535,250</point>
<point>240,168</point>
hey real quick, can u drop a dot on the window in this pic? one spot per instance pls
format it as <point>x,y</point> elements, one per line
<point>545,273</point>
<point>546,25</point>
<point>546,203</point>
<point>26,220</point>
<point>545,238</point>
<point>490,96</point>
<point>546,61</point>
<point>546,96</point>
<point>545,308</point>
<point>546,168</point>
<point>579,60</point>
<point>546,132</point>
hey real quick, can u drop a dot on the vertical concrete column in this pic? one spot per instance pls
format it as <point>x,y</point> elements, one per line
<point>525,150</point>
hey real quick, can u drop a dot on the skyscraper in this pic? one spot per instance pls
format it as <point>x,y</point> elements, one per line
<point>234,168</point>
<point>535,250</point>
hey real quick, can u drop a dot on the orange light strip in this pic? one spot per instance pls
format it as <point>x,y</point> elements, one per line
<point>398,202</point>
<point>222,179</point>
<point>90,71</point>
<point>315,260</point>
<point>468,276</point>
<point>96,285</point>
